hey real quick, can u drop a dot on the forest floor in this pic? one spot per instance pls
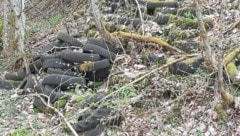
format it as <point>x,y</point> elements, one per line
<point>164,103</point>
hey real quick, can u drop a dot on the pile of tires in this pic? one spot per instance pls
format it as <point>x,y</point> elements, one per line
<point>61,65</point>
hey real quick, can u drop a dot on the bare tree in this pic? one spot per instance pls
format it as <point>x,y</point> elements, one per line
<point>13,26</point>
<point>18,7</point>
<point>6,26</point>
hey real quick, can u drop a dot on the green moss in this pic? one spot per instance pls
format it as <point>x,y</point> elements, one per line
<point>91,33</point>
<point>111,27</point>
<point>68,114</point>
<point>221,113</point>
<point>20,132</point>
<point>231,69</point>
<point>55,19</point>
<point>36,110</point>
<point>60,103</point>
<point>177,34</point>
<point>190,22</point>
<point>158,9</point>
<point>80,99</point>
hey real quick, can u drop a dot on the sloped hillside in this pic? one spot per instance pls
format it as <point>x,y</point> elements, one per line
<point>153,82</point>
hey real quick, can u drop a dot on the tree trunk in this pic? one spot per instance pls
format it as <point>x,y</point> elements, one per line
<point>18,7</point>
<point>13,26</point>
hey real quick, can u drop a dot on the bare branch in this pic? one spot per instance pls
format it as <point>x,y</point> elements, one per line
<point>208,54</point>
<point>56,111</point>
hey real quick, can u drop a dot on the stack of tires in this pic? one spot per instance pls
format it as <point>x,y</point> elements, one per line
<point>61,65</point>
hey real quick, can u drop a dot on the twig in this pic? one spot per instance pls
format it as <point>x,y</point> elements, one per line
<point>140,15</point>
<point>58,112</point>
<point>38,133</point>
<point>135,81</point>
<point>232,26</point>
<point>142,77</point>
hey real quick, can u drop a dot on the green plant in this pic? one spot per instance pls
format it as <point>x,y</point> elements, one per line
<point>9,107</point>
<point>189,15</point>
<point>158,9</point>
<point>129,91</point>
<point>20,132</point>
<point>200,133</point>
<point>94,85</point>
<point>55,19</point>
<point>60,103</point>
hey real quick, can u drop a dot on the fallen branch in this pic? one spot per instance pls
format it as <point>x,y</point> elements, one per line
<point>136,81</point>
<point>232,26</point>
<point>56,111</point>
<point>150,39</point>
<point>144,76</point>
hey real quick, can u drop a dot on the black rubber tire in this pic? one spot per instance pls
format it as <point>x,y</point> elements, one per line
<point>101,64</point>
<point>56,63</point>
<point>151,6</point>
<point>114,7</point>
<point>35,66</point>
<point>99,50</point>
<point>8,84</point>
<point>46,49</point>
<point>172,11</point>
<point>93,120</point>
<point>123,21</point>
<point>28,82</point>
<point>58,43</point>
<point>44,57</point>
<point>162,19</point>
<point>77,57</point>
<point>96,98</point>
<point>94,66</point>
<point>97,131</point>
<point>61,72</point>
<point>22,73</point>
<point>35,57</point>
<point>52,94</point>
<point>63,81</point>
<point>106,45</point>
<point>154,58</point>
<point>13,76</point>
<point>188,46</point>
<point>181,68</point>
<point>136,23</point>
<point>37,103</point>
<point>98,76</point>
<point>69,39</point>
<point>182,11</point>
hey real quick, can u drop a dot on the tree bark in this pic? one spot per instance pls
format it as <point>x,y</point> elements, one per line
<point>18,7</point>
<point>5,32</point>
<point>99,24</point>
